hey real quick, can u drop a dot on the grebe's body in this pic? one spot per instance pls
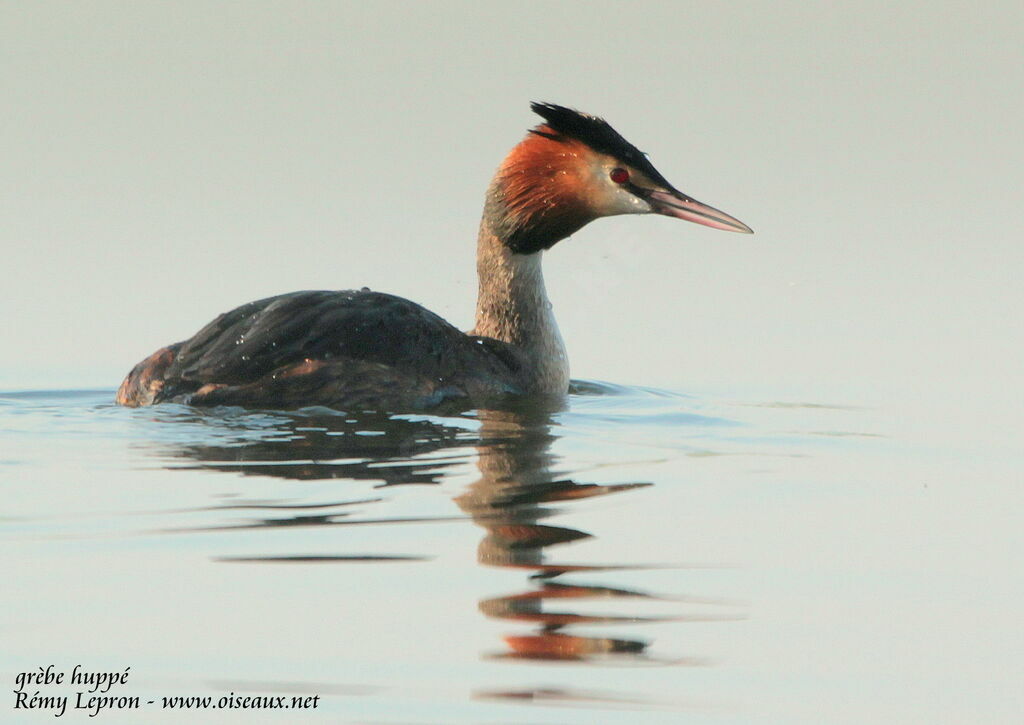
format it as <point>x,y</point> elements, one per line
<point>368,350</point>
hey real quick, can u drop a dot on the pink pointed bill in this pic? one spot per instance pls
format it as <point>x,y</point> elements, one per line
<point>680,206</point>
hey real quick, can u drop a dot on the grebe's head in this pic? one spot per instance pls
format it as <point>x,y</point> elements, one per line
<point>575,168</point>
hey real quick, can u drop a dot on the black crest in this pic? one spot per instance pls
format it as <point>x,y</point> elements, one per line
<point>597,134</point>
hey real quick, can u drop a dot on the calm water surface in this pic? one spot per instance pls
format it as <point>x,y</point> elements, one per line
<point>635,555</point>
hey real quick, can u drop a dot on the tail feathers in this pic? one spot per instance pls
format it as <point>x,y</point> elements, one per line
<point>144,383</point>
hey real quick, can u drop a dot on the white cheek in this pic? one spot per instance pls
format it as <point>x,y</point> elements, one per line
<point>620,201</point>
<point>608,198</point>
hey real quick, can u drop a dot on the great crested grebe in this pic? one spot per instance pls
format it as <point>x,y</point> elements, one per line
<point>368,350</point>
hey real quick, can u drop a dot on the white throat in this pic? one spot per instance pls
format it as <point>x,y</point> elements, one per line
<point>512,306</point>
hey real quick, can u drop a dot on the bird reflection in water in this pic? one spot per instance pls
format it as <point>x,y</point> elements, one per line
<point>519,487</point>
<point>316,444</point>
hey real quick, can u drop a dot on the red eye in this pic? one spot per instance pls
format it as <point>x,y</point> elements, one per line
<point>619,176</point>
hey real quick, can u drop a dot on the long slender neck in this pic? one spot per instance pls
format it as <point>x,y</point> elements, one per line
<point>512,305</point>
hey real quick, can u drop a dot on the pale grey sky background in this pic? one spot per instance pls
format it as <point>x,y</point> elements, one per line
<point>166,161</point>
